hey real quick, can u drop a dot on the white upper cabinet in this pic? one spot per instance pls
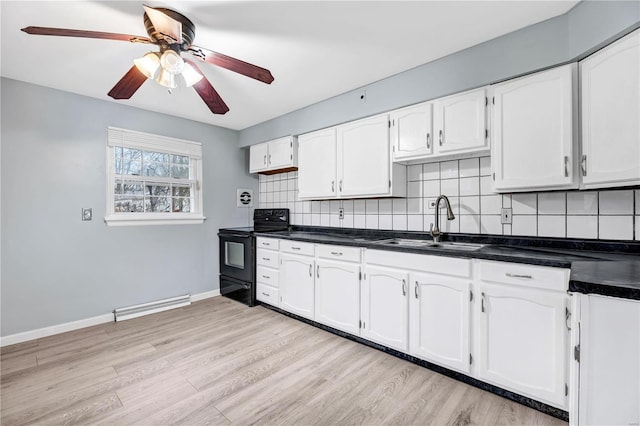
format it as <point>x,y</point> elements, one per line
<point>350,161</point>
<point>317,159</point>
<point>460,122</point>
<point>412,132</point>
<point>276,156</point>
<point>610,81</point>
<point>363,157</point>
<point>533,132</point>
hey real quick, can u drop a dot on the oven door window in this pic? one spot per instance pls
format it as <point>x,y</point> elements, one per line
<point>234,254</point>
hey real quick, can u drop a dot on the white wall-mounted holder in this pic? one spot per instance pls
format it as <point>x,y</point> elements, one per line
<point>244,198</point>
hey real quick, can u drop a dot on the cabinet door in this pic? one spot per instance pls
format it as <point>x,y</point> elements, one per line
<point>317,164</point>
<point>532,145</point>
<point>296,284</point>
<point>364,158</point>
<point>412,132</point>
<point>280,153</point>
<point>609,361</point>
<point>439,321</point>
<point>460,122</point>
<point>523,341</point>
<point>385,307</point>
<point>611,114</point>
<point>258,157</point>
<point>337,301</point>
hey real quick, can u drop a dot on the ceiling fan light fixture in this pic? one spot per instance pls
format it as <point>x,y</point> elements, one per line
<point>171,62</point>
<point>167,79</point>
<point>191,76</point>
<point>148,64</point>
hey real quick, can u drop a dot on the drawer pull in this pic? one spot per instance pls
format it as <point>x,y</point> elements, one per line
<point>266,244</point>
<point>266,294</point>
<point>336,253</point>
<point>266,258</point>
<point>295,248</point>
<point>527,277</point>
<point>266,277</point>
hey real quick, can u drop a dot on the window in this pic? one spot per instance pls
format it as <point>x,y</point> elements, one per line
<point>152,180</point>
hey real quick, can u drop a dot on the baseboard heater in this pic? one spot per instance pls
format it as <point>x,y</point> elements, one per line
<point>129,312</point>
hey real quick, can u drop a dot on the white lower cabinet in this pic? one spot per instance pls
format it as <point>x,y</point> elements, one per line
<point>337,301</point>
<point>522,335</point>
<point>439,320</point>
<point>297,284</point>
<point>384,307</point>
<point>609,361</point>
<point>267,272</point>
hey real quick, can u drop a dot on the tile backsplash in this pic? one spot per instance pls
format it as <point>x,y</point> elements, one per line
<point>602,214</point>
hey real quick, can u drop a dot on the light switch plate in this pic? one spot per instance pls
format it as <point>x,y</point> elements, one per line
<point>505,216</point>
<point>87,213</point>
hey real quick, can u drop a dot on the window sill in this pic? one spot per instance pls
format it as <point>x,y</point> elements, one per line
<point>126,220</point>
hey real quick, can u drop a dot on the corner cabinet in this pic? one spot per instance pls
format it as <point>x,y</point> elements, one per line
<point>523,334</point>
<point>610,83</point>
<point>276,156</point>
<point>533,135</point>
<point>361,160</point>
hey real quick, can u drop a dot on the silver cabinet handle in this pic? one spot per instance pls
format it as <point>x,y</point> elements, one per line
<point>404,287</point>
<point>310,270</point>
<point>340,185</point>
<point>265,159</point>
<point>415,290</point>
<point>333,186</point>
<point>318,271</point>
<point>266,277</point>
<point>566,166</point>
<point>428,144</point>
<point>266,244</point>
<point>440,138</point>
<point>583,165</point>
<point>482,303</point>
<point>336,253</point>
<point>295,248</point>
<point>266,258</point>
<point>269,158</point>
<point>265,294</point>
<point>526,277</point>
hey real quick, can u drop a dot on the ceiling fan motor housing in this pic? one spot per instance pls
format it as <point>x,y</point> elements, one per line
<point>188,30</point>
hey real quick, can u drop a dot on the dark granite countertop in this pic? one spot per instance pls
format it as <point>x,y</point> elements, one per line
<point>610,268</point>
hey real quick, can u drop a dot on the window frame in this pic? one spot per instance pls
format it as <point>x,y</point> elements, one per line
<point>117,137</point>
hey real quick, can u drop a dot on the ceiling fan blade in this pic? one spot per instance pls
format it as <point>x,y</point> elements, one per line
<point>232,64</point>
<point>64,32</point>
<point>165,24</point>
<point>208,94</point>
<point>127,86</point>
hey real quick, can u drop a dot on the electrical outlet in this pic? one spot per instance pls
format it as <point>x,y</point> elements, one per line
<point>505,216</point>
<point>431,203</point>
<point>341,213</point>
<point>87,213</point>
<point>363,96</point>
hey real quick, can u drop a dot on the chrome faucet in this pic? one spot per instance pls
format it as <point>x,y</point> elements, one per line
<point>435,230</point>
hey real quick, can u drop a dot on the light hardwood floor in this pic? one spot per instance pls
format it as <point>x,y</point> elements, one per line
<point>219,362</point>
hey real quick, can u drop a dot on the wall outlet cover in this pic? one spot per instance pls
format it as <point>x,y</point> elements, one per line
<point>244,198</point>
<point>505,216</point>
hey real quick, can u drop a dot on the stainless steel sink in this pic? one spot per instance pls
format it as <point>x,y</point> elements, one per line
<point>446,245</point>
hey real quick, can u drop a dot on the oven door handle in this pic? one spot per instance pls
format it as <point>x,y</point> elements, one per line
<point>225,235</point>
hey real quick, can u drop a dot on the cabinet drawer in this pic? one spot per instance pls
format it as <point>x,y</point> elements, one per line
<point>348,254</point>
<point>267,275</point>
<point>296,247</point>
<point>267,243</point>
<point>267,294</point>
<point>525,275</point>
<point>268,258</point>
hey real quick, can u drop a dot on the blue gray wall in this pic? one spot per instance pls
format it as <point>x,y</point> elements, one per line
<point>585,28</point>
<point>56,268</point>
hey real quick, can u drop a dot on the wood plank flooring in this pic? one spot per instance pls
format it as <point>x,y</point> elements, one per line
<point>219,362</point>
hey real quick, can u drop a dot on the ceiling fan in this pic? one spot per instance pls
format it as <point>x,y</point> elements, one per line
<point>173,33</point>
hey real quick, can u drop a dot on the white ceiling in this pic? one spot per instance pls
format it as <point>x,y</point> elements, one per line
<point>315,50</point>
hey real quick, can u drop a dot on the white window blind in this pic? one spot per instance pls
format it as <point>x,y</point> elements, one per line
<point>152,179</point>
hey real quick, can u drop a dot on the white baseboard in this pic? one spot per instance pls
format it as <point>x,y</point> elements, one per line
<point>25,336</point>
